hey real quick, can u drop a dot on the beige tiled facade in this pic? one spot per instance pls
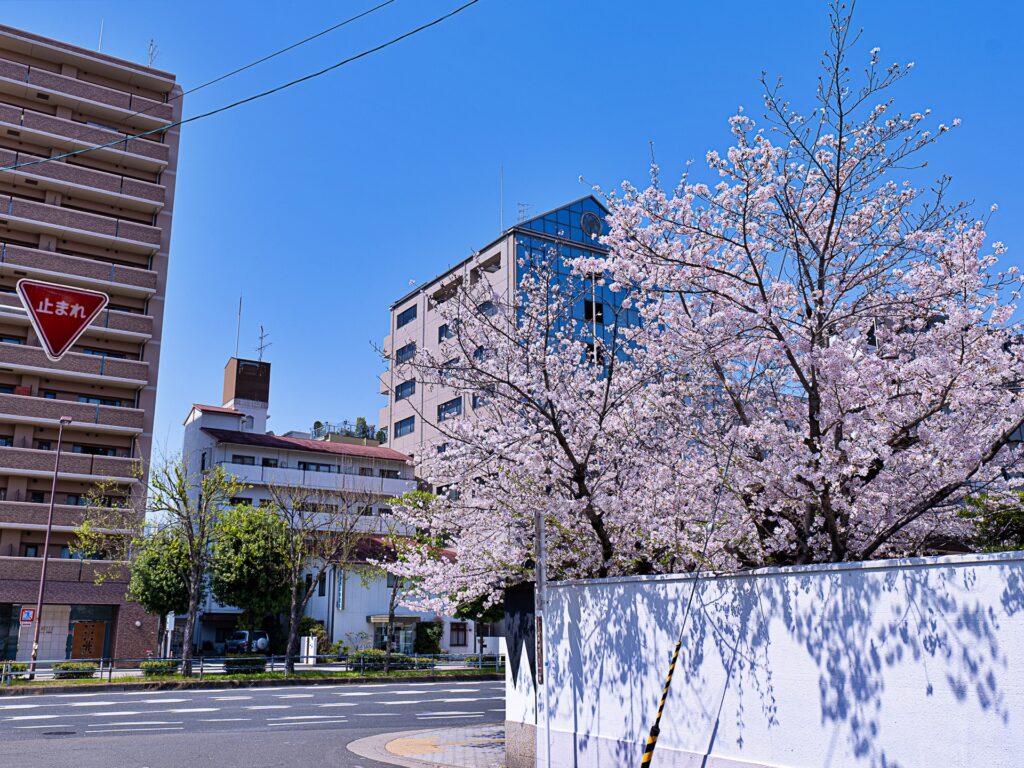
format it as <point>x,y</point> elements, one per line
<point>100,220</point>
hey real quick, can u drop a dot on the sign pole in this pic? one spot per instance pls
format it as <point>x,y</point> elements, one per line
<point>64,421</point>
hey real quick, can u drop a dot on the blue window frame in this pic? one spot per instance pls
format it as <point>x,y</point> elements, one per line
<point>406,316</point>
<point>405,426</point>
<point>449,409</point>
<point>444,332</point>
<point>406,353</point>
<point>405,389</point>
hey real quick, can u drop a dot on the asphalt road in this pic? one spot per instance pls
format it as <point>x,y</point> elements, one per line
<point>288,726</point>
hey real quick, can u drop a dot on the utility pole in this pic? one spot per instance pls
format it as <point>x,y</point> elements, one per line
<point>540,604</point>
<point>63,422</point>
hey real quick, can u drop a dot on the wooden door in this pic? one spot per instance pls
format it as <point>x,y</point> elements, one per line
<point>87,639</point>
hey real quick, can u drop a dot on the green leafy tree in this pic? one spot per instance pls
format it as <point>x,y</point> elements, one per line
<point>247,567</point>
<point>998,521</point>
<point>175,502</point>
<point>158,579</point>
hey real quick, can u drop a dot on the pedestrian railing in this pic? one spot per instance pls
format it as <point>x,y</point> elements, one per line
<point>107,669</point>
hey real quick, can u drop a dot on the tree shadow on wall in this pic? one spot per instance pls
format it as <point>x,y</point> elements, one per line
<point>860,629</point>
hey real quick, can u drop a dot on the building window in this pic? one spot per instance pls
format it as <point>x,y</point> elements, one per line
<point>99,400</point>
<point>487,308</point>
<point>405,426</point>
<point>104,353</point>
<point>406,353</point>
<point>366,471</point>
<point>441,447</point>
<point>595,356</point>
<point>30,550</point>
<point>321,585</point>
<point>392,581</point>
<point>77,500</point>
<point>43,445</point>
<point>240,501</point>
<point>390,474</point>
<point>93,450</point>
<point>383,511</point>
<point>49,395</point>
<point>247,460</point>
<point>202,462</point>
<point>593,311</point>
<point>406,316</point>
<point>444,332</point>
<point>366,511</point>
<point>405,389</point>
<point>313,466</point>
<point>450,409</point>
<point>269,462</point>
<point>6,389</point>
<point>36,497</point>
<point>11,340</point>
<point>458,637</point>
<point>6,442</point>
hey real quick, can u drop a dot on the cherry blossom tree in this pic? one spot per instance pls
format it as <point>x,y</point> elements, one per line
<point>812,346</point>
<point>847,335</point>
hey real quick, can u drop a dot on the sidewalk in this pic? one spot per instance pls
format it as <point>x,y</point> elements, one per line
<point>478,746</point>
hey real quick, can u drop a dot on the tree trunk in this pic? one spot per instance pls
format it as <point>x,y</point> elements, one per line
<point>389,635</point>
<point>292,648</point>
<point>190,624</point>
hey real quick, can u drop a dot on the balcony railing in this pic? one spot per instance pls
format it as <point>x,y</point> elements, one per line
<point>31,461</point>
<point>328,481</point>
<point>73,362</point>
<point>35,261</point>
<point>80,413</point>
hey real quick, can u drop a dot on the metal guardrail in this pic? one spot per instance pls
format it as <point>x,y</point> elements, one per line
<point>108,669</point>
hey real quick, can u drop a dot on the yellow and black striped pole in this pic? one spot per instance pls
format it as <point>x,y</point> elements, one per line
<point>656,728</point>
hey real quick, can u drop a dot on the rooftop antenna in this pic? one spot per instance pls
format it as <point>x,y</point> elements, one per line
<point>99,45</point>
<point>263,343</point>
<point>524,209</point>
<point>152,51</point>
<point>238,324</point>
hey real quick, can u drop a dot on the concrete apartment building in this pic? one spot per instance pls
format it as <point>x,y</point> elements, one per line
<point>100,220</point>
<point>333,462</point>
<point>413,410</point>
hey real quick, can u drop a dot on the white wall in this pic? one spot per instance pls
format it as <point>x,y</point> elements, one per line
<point>894,663</point>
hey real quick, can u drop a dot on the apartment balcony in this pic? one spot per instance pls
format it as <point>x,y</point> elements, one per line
<point>28,409</point>
<point>61,133</point>
<point>84,183</point>
<point>44,87</point>
<point>109,322</point>
<point>29,462</point>
<point>88,273</point>
<point>325,481</point>
<point>74,365</point>
<point>26,569</point>
<point>27,515</point>
<point>106,231</point>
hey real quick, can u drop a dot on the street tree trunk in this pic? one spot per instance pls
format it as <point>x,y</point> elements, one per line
<point>190,624</point>
<point>292,648</point>
<point>389,637</point>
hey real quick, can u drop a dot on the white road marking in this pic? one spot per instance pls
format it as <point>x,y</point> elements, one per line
<point>139,730</point>
<point>192,709</point>
<point>232,698</point>
<point>32,717</point>
<point>224,719</point>
<point>405,701</point>
<point>111,714</point>
<point>270,706</point>
<point>313,722</point>
<point>163,701</point>
<point>447,701</point>
<point>90,704</point>
<point>48,725</point>
<point>344,704</point>
<point>356,693</point>
<point>442,717</point>
<point>294,696</point>
<point>377,714</point>
<point>304,717</point>
<point>139,722</point>
<point>22,706</point>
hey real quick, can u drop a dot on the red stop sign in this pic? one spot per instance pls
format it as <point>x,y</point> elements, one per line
<point>59,313</point>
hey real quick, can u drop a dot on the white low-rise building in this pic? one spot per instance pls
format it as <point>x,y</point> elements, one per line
<point>342,463</point>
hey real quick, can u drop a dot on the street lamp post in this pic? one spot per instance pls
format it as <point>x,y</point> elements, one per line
<point>63,422</point>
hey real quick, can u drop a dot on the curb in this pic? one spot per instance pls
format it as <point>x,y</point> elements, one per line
<point>184,685</point>
<point>375,748</point>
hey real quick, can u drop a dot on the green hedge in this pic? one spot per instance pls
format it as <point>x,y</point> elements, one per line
<point>373,658</point>
<point>245,665</point>
<point>16,668</point>
<point>74,670</point>
<point>164,667</point>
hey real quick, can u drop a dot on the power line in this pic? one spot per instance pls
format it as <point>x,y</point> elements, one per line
<point>225,76</point>
<point>246,100</point>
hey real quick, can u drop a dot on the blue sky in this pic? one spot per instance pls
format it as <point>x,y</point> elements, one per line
<point>320,204</point>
